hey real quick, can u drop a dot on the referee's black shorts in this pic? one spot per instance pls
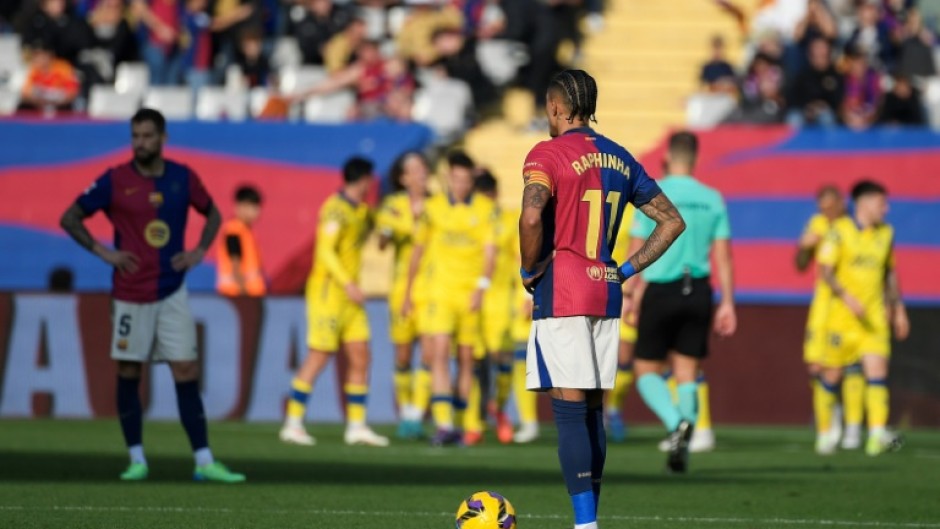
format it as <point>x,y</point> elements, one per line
<point>673,318</point>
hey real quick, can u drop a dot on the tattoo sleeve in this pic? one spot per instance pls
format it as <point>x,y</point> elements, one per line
<point>535,198</point>
<point>804,256</point>
<point>829,277</point>
<point>73,222</point>
<point>211,229</point>
<point>892,286</point>
<point>669,225</point>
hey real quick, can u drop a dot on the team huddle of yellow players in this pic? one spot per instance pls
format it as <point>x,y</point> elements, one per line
<point>856,304</point>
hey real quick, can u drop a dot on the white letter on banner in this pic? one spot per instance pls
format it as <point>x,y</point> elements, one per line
<point>221,361</point>
<point>284,329</point>
<point>64,376</point>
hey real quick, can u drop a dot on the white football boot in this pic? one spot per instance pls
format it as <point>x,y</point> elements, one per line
<point>296,435</point>
<point>527,433</point>
<point>702,441</point>
<point>362,435</point>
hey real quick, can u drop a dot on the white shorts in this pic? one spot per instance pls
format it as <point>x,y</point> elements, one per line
<point>577,352</point>
<point>162,331</point>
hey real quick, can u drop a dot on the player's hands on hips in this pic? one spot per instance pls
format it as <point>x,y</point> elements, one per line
<point>726,320</point>
<point>186,260</point>
<point>854,305</point>
<point>902,326</point>
<point>476,300</point>
<point>355,294</point>
<point>125,262</point>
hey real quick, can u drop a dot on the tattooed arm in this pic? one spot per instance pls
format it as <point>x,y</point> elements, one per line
<point>669,225</point>
<point>535,198</point>
<point>73,222</point>
<point>896,308</point>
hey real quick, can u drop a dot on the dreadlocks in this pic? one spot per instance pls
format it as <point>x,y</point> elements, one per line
<point>579,91</point>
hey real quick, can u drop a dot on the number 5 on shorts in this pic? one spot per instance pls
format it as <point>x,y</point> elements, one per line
<point>124,325</point>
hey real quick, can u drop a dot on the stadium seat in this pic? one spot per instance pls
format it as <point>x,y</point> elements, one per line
<point>257,99</point>
<point>214,103</point>
<point>501,59</point>
<point>332,108</point>
<point>376,21</point>
<point>105,102</point>
<point>396,18</point>
<point>443,104</point>
<point>132,78</point>
<point>176,102</point>
<point>704,111</point>
<point>296,78</point>
<point>11,54</point>
<point>235,78</point>
<point>286,53</point>
<point>931,91</point>
<point>9,100</point>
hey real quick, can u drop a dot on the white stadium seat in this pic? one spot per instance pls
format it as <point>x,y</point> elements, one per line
<point>107,103</point>
<point>332,108</point>
<point>501,59</point>
<point>931,91</point>
<point>296,78</point>
<point>286,53</point>
<point>9,100</point>
<point>214,103</point>
<point>704,111</point>
<point>11,54</point>
<point>132,78</point>
<point>444,105</point>
<point>175,102</point>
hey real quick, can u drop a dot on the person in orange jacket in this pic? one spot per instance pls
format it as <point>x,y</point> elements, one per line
<point>239,261</point>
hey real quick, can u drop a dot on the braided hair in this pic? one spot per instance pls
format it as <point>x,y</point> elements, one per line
<point>579,91</point>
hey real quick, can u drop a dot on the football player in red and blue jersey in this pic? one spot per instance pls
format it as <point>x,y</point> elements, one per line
<point>147,201</point>
<point>577,186</point>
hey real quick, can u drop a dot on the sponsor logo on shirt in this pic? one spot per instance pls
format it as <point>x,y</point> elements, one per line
<point>607,273</point>
<point>157,233</point>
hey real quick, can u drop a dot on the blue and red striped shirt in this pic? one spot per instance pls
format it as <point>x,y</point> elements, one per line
<point>591,179</point>
<point>149,217</point>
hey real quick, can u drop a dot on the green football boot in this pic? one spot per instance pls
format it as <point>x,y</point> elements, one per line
<point>217,472</point>
<point>135,472</point>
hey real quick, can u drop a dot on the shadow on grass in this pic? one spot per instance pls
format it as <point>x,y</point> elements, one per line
<point>26,467</point>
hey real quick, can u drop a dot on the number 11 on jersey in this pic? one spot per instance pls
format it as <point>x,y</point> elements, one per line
<point>595,200</point>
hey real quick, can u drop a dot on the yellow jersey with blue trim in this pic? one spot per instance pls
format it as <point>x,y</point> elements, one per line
<point>454,236</point>
<point>396,220</point>
<point>342,230</point>
<point>861,259</point>
<point>506,269</point>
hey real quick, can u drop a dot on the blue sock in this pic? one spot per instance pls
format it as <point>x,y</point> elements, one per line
<point>688,401</point>
<point>595,422</point>
<point>192,415</point>
<point>130,411</point>
<point>575,454</point>
<point>656,395</point>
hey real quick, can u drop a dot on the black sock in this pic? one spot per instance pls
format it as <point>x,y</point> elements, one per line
<point>130,411</point>
<point>192,415</point>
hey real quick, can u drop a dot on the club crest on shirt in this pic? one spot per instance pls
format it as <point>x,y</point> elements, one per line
<point>156,199</point>
<point>157,233</point>
<point>595,273</point>
<point>122,344</point>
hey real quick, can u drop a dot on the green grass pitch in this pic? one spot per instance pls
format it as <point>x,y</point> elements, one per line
<point>63,474</point>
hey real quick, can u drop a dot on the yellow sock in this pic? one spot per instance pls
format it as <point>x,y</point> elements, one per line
<point>421,392</point>
<point>471,420</point>
<point>503,384</point>
<point>876,403</point>
<point>673,387</point>
<point>704,421</point>
<point>297,404</point>
<point>621,386</point>
<point>853,397</point>
<point>824,398</point>
<point>526,401</point>
<point>404,388</point>
<point>356,395</point>
<point>442,409</point>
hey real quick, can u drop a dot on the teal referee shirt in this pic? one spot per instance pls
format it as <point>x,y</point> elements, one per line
<point>706,220</point>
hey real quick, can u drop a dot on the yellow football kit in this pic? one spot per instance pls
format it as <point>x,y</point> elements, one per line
<point>396,220</point>
<point>620,255</point>
<point>333,319</point>
<point>454,236</point>
<point>861,259</point>
<point>814,342</point>
<point>499,300</point>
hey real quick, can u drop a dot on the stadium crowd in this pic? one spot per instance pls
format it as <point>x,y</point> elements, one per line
<point>856,63</point>
<point>380,50</point>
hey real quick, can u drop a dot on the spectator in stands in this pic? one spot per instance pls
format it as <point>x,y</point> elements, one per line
<point>229,18</point>
<point>162,22</point>
<point>872,35</point>
<point>251,57</point>
<point>916,55</point>
<point>818,23</point>
<point>8,12</point>
<point>316,25</point>
<point>415,39</point>
<point>196,44</point>
<point>717,74</point>
<point>51,82</point>
<point>112,34</point>
<point>815,95</point>
<point>340,51</point>
<point>401,86</point>
<point>862,95</point>
<point>761,93</point>
<point>457,56</point>
<point>54,24</point>
<point>902,105</point>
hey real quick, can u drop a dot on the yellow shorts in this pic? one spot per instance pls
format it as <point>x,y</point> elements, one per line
<point>333,320</point>
<point>403,330</point>
<point>452,315</point>
<point>497,321</point>
<point>814,340</point>
<point>848,338</point>
<point>627,332</point>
